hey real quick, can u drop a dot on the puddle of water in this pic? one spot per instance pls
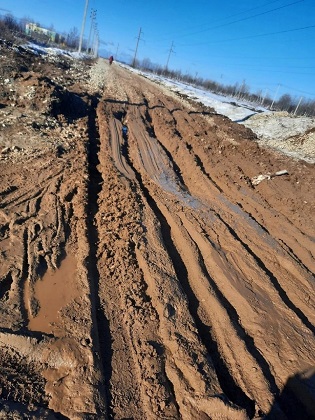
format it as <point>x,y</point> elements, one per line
<point>54,291</point>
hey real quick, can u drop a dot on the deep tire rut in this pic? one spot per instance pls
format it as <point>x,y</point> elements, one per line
<point>102,336</point>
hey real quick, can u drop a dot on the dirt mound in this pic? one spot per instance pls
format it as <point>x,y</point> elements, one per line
<point>142,273</point>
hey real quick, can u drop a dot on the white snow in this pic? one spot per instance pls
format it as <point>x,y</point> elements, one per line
<point>38,49</point>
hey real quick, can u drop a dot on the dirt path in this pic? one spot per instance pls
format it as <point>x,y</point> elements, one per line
<point>142,274</point>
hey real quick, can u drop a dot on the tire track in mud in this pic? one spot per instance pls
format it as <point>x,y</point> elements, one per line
<point>234,393</point>
<point>143,353</point>
<point>241,212</point>
<point>46,222</point>
<point>220,304</point>
<point>252,203</point>
<point>102,331</point>
<point>43,194</point>
<point>277,286</point>
<point>142,157</point>
<point>178,265</point>
<point>182,125</point>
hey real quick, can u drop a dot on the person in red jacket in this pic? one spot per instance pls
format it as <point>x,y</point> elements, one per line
<point>111,59</point>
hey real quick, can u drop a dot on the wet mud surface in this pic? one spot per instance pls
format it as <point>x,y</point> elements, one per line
<point>143,275</point>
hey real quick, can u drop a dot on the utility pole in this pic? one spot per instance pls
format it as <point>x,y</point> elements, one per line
<point>274,98</point>
<point>169,55</point>
<point>134,58</point>
<point>83,24</point>
<point>93,38</point>
<point>117,51</point>
<point>96,46</point>
<point>264,97</point>
<point>298,105</point>
<point>93,17</point>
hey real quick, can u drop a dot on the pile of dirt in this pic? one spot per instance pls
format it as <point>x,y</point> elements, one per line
<point>142,272</point>
<point>38,102</point>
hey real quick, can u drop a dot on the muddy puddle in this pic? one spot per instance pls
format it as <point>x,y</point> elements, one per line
<point>53,292</point>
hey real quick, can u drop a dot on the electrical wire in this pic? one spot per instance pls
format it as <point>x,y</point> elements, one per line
<point>247,37</point>
<point>226,17</point>
<point>243,19</point>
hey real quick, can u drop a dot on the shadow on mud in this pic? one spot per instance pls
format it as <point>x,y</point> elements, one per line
<point>245,118</point>
<point>103,335</point>
<point>145,104</point>
<point>20,411</point>
<point>70,105</point>
<point>297,400</point>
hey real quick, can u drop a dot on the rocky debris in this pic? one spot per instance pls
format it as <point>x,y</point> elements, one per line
<point>37,99</point>
<point>286,133</point>
<point>257,179</point>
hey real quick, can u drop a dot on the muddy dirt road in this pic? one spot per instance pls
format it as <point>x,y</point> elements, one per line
<point>142,274</point>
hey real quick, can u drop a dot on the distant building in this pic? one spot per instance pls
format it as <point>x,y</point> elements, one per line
<point>32,29</point>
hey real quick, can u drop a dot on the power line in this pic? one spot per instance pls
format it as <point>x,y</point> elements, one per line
<point>231,16</point>
<point>249,36</point>
<point>264,66</point>
<point>245,18</point>
<point>298,90</point>
<point>238,57</point>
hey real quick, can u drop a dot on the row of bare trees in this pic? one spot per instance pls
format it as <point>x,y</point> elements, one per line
<point>9,27</point>
<point>238,91</point>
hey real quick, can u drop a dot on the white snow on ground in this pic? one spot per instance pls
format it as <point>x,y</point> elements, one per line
<point>38,49</point>
<point>222,104</point>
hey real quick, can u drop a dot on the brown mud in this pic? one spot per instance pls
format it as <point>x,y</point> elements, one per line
<point>142,275</point>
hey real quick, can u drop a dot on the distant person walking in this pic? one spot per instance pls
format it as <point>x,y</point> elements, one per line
<point>111,59</point>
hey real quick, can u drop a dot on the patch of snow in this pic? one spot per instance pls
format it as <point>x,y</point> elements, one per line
<point>235,109</point>
<point>41,50</point>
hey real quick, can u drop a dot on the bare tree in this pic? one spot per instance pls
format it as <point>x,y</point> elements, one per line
<point>285,102</point>
<point>11,22</point>
<point>8,27</point>
<point>73,38</point>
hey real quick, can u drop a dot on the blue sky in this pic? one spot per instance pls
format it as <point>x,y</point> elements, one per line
<point>269,45</point>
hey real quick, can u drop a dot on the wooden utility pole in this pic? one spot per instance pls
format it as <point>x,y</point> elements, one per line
<point>134,58</point>
<point>83,25</point>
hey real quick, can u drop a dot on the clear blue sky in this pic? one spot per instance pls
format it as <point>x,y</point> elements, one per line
<point>264,43</point>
